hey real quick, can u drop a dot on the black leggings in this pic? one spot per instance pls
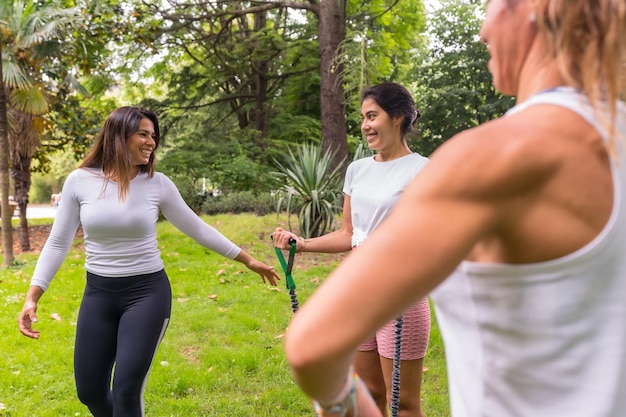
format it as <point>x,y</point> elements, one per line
<point>121,322</point>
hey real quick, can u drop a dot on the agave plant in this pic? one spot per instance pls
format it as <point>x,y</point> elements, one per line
<point>312,188</point>
<point>362,151</point>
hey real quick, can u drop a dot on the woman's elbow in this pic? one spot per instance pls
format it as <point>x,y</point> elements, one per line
<point>296,350</point>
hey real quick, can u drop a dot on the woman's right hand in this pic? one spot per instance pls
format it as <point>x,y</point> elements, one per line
<point>282,239</point>
<point>27,317</point>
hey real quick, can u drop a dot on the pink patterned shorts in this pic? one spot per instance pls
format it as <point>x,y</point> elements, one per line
<point>415,334</point>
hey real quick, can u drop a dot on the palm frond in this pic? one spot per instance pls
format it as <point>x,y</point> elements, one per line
<point>14,77</point>
<point>45,24</point>
<point>30,100</point>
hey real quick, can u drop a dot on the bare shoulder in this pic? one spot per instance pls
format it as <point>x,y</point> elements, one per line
<point>509,156</point>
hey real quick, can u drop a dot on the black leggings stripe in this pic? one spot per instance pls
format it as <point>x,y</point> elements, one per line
<point>120,324</point>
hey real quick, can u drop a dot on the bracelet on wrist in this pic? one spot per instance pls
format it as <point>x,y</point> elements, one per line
<point>344,401</point>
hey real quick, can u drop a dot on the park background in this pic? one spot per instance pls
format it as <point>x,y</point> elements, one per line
<point>259,110</point>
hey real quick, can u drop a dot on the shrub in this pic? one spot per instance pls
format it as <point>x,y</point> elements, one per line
<point>239,202</point>
<point>189,191</point>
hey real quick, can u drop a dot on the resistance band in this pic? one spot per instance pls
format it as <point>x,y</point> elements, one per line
<point>395,375</point>
<point>287,267</point>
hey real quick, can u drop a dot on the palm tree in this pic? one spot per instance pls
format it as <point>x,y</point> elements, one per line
<point>7,228</point>
<point>31,38</point>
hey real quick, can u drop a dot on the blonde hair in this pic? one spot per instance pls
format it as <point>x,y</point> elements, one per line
<point>588,39</point>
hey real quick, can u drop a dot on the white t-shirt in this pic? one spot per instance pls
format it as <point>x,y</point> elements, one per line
<point>120,236</point>
<point>374,188</point>
<point>546,339</point>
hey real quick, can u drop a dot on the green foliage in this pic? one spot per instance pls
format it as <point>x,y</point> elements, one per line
<point>362,151</point>
<point>227,64</point>
<point>239,174</point>
<point>189,190</point>
<point>239,202</point>
<point>222,354</point>
<point>453,85</point>
<point>382,44</point>
<point>236,164</point>
<point>51,181</point>
<point>235,86</point>
<point>311,187</point>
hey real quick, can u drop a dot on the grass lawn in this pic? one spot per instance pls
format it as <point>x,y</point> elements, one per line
<point>222,354</point>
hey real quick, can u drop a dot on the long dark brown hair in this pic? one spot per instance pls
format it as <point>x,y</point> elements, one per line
<point>110,152</point>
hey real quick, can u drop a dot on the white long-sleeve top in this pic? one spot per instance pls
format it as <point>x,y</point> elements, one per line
<point>120,236</point>
<point>548,338</point>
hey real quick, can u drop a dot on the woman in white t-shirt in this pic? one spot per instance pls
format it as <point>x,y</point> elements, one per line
<point>372,187</point>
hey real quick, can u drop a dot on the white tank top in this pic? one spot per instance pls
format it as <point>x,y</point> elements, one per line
<point>545,339</point>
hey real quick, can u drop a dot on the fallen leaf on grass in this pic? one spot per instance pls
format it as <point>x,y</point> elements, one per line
<point>55,316</point>
<point>182,300</point>
<point>220,272</point>
<point>213,297</point>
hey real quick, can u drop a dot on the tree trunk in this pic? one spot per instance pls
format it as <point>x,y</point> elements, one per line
<point>23,143</point>
<point>260,21</point>
<point>7,228</point>
<point>20,173</point>
<point>332,29</point>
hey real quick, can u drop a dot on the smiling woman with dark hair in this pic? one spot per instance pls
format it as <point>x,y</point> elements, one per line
<point>371,189</point>
<point>117,196</point>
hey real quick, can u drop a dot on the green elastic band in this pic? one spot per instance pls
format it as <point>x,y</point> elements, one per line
<point>287,266</point>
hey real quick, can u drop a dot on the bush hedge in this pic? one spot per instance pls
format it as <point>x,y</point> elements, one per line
<point>239,202</point>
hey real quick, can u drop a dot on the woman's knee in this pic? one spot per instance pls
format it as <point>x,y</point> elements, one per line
<point>99,402</point>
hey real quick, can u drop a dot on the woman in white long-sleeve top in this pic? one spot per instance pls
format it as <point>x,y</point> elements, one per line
<point>117,196</point>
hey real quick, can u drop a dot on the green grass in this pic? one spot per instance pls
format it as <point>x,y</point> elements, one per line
<point>222,354</point>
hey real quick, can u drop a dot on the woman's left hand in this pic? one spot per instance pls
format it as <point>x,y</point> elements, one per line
<point>266,272</point>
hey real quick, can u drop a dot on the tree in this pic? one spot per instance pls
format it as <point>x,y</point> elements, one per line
<point>383,43</point>
<point>266,62</point>
<point>31,36</point>
<point>7,227</point>
<point>332,33</point>
<point>453,85</point>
